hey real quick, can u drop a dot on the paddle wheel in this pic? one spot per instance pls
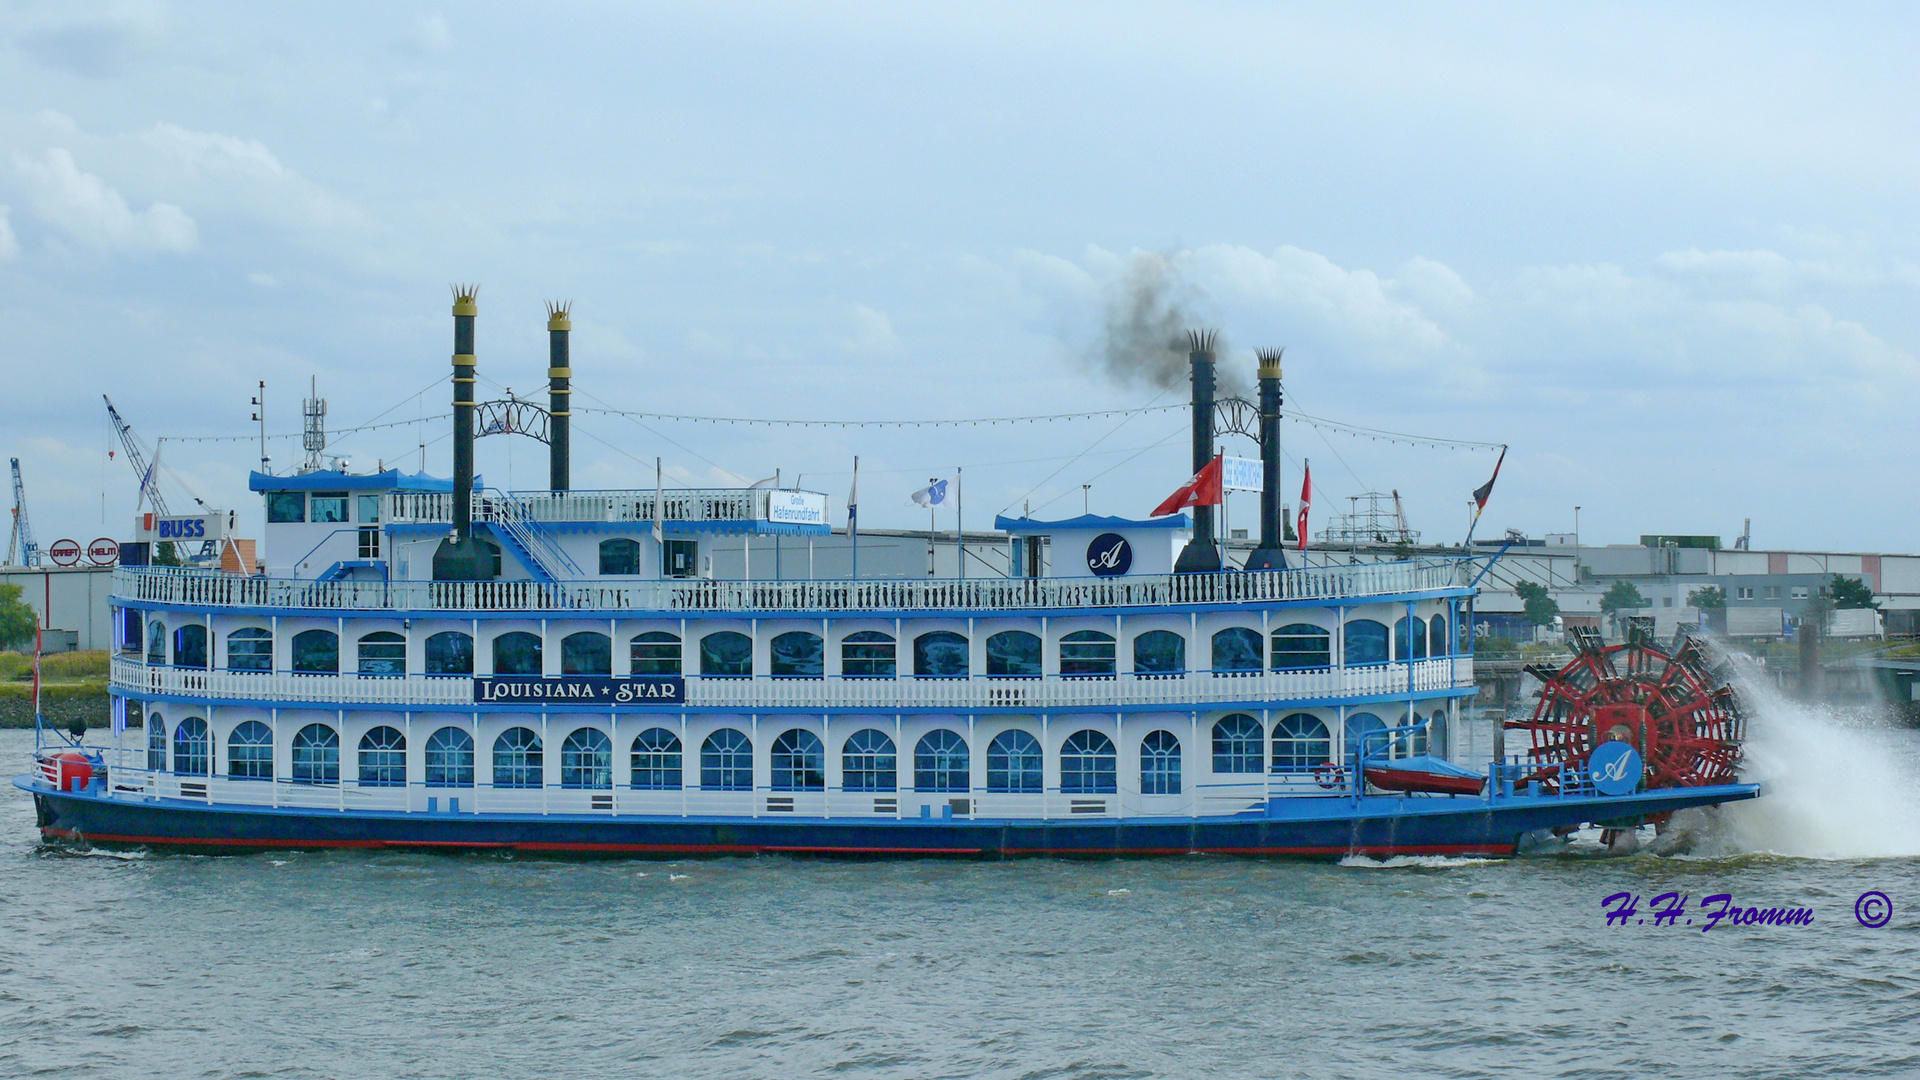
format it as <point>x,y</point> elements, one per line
<point>1675,708</point>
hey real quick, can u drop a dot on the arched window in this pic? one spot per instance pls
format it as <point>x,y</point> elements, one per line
<point>1160,764</point>
<point>1416,741</point>
<point>586,760</point>
<point>517,759</point>
<point>799,761</point>
<point>316,755</point>
<point>656,760</point>
<point>1236,649</point>
<point>1437,636</point>
<point>1366,643</point>
<point>156,642</point>
<point>655,652</point>
<point>941,762</point>
<point>1301,645</point>
<point>619,556</point>
<point>1086,652</point>
<point>383,653</point>
<point>1236,744</point>
<point>249,751</point>
<point>586,653</point>
<point>1159,652</point>
<point>190,646</point>
<point>726,762</point>
<point>796,654</point>
<point>450,758</point>
<point>383,758</point>
<point>726,655</point>
<point>1437,743</point>
<point>1013,654</point>
<point>1410,639</point>
<point>1087,764</point>
<point>1301,743</point>
<point>940,654</point>
<point>517,653</point>
<point>156,743</point>
<point>1359,726</point>
<point>316,652</point>
<point>1014,763</point>
<point>250,648</point>
<point>867,654</point>
<point>450,652</point>
<point>192,752</point>
<point>867,762</point>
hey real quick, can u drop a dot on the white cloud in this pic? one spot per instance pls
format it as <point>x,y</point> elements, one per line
<point>872,332</point>
<point>94,213</point>
<point>430,35</point>
<point>9,246</point>
<point>99,44</point>
<point>262,279</point>
<point>228,172</point>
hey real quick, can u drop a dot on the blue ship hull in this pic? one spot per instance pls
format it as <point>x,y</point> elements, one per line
<point>1313,828</point>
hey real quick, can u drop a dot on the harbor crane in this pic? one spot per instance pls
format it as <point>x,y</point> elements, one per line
<point>21,548</point>
<point>149,472</point>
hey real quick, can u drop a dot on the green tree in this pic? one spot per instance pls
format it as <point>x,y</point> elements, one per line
<point>1540,607</point>
<point>1851,593</point>
<point>165,554</point>
<point>1621,596</point>
<point>1707,598</point>
<point>17,620</point>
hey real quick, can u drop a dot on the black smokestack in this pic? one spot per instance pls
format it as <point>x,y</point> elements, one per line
<point>1201,555</point>
<point>460,557</point>
<point>1271,554</point>
<point>559,394</point>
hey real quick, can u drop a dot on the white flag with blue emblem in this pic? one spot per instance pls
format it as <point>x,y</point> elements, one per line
<point>938,493</point>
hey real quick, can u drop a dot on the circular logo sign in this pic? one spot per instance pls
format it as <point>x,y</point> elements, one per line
<point>103,552</point>
<point>1109,555</point>
<point>63,552</point>
<point>1615,767</point>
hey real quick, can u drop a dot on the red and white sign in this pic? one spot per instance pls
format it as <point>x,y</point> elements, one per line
<point>104,552</point>
<point>64,552</point>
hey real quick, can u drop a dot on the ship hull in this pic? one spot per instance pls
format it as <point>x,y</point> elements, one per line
<point>1307,828</point>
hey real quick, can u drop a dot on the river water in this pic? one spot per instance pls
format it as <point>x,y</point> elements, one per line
<point>351,964</point>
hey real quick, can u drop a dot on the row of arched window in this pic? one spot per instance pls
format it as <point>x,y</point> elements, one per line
<point>801,654</point>
<point>869,760</point>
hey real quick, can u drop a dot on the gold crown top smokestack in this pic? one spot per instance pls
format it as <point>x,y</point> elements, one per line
<point>1271,554</point>
<point>460,557</point>
<point>559,394</point>
<point>1201,555</point>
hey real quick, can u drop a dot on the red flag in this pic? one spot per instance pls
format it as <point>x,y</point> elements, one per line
<point>1485,491</point>
<point>1202,490</point>
<point>1306,500</point>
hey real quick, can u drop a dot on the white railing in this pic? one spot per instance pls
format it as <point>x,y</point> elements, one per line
<point>1175,692</point>
<point>699,504</point>
<point>212,588</point>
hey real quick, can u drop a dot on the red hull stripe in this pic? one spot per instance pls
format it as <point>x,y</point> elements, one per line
<point>754,849</point>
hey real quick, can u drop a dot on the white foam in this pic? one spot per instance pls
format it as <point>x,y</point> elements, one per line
<point>1835,784</point>
<point>1430,861</point>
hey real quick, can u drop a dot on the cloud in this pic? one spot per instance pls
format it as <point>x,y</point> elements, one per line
<point>97,45</point>
<point>430,35</point>
<point>9,246</point>
<point>93,213</point>
<point>233,173</point>
<point>872,332</point>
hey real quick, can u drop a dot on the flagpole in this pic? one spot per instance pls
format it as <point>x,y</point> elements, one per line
<point>960,522</point>
<point>930,524</point>
<point>659,532</point>
<point>853,517</point>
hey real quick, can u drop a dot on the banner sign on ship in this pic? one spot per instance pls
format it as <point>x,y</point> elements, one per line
<point>602,690</point>
<point>797,507</point>
<point>1241,474</point>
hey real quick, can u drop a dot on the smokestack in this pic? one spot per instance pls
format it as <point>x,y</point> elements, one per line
<point>1272,553</point>
<point>559,393</point>
<point>1201,555</point>
<point>460,557</point>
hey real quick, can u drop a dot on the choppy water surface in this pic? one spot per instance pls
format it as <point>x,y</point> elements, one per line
<point>405,965</point>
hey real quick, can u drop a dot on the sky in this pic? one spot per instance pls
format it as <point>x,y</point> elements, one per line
<point>1669,256</point>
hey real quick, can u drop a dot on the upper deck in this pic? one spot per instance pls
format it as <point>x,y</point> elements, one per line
<point>1336,585</point>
